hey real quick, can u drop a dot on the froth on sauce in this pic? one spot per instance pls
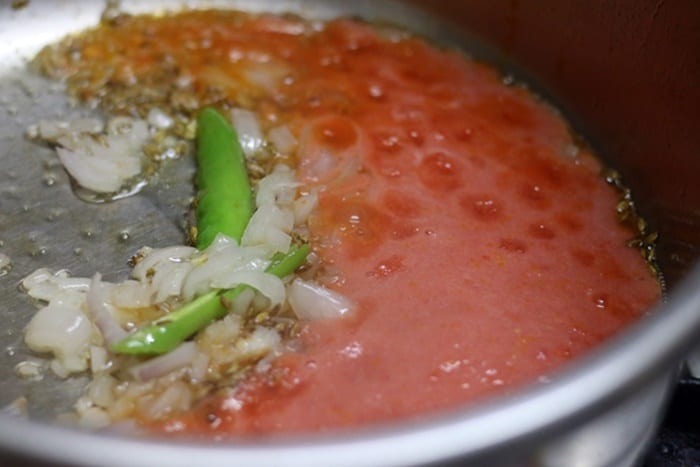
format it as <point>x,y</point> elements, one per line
<point>481,252</point>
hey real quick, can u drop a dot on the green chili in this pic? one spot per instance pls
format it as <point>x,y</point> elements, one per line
<point>224,199</point>
<point>224,205</point>
<point>170,331</point>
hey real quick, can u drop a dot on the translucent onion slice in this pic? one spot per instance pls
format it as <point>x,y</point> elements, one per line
<point>104,164</point>
<point>311,301</point>
<point>260,342</point>
<point>153,258</point>
<point>97,169</point>
<point>279,187</point>
<point>164,364</point>
<point>248,128</point>
<point>166,269</point>
<point>269,228</point>
<point>221,259</point>
<point>63,331</point>
<point>268,285</point>
<point>110,329</point>
<point>283,139</point>
<point>45,285</point>
<point>159,119</point>
<point>304,206</point>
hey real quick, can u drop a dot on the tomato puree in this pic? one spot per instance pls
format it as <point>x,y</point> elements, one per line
<point>476,236</point>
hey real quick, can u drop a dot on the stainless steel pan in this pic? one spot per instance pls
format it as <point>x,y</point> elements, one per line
<point>625,71</point>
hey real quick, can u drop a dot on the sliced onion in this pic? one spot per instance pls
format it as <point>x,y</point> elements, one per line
<point>99,171</point>
<point>269,228</point>
<point>221,261</point>
<point>51,130</point>
<point>200,365</point>
<point>63,331</point>
<point>154,257</point>
<point>130,295</point>
<point>175,398</point>
<point>159,119</point>
<point>242,302</point>
<point>94,418</point>
<point>248,129</point>
<point>274,219</point>
<point>168,280</point>
<point>100,391</point>
<point>42,284</point>
<point>259,343</point>
<point>283,139</point>
<point>221,243</point>
<point>304,206</point>
<point>166,269</point>
<point>110,329</point>
<point>279,187</point>
<point>33,280</point>
<point>99,359</point>
<point>103,165</point>
<point>154,368</point>
<point>311,301</point>
<point>134,130</point>
<point>265,74</point>
<point>270,286</point>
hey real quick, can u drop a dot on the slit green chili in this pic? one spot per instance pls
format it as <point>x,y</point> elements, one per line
<point>224,199</point>
<point>224,205</point>
<point>170,331</point>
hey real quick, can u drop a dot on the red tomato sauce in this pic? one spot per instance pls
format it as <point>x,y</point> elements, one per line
<point>481,252</point>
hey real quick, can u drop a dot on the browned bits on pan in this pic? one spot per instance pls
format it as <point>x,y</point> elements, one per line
<point>645,240</point>
<point>19,4</point>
